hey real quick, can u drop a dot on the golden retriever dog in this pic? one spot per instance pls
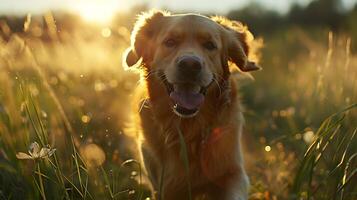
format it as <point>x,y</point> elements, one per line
<point>190,116</point>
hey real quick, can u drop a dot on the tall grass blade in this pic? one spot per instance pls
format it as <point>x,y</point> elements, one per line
<point>185,159</point>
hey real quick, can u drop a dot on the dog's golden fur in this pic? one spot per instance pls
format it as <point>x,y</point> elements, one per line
<point>212,137</point>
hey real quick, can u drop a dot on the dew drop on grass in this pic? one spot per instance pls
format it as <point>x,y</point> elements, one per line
<point>134,173</point>
<point>267,148</point>
<point>85,119</point>
<point>44,114</point>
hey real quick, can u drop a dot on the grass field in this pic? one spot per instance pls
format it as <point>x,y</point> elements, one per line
<point>65,89</point>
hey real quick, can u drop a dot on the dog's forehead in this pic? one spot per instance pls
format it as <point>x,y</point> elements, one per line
<point>193,23</point>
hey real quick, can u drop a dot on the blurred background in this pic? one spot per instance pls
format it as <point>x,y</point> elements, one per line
<point>62,85</point>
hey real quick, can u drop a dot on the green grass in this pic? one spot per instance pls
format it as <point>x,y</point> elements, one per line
<point>70,93</point>
<point>67,177</point>
<point>315,180</point>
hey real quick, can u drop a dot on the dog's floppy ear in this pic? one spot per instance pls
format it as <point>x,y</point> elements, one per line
<point>130,58</point>
<point>239,44</point>
<point>142,37</point>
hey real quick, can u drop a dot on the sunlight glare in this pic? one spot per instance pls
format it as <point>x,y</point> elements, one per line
<point>95,11</point>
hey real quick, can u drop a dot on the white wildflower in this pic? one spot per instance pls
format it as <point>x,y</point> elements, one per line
<point>35,152</point>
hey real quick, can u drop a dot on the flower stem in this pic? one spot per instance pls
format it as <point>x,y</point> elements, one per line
<point>42,189</point>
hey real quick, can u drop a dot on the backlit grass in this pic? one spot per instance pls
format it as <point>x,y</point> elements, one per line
<point>66,90</point>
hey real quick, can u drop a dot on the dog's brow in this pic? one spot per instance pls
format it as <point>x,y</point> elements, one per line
<point>176,33</point>
<point>203,35</point>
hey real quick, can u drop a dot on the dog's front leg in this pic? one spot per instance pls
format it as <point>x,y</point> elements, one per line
<point>238,190</point>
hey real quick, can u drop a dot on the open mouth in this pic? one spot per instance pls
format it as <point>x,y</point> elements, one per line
<point>187,103</point>
<point>187,98</point>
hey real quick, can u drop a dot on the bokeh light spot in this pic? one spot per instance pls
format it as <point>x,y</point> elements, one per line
<point>85,119</point>
<point>106,32</point>
<point>309,137</point>
<point>267,148</point>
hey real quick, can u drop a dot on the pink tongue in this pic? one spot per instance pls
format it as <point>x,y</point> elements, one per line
<point>187,100</point>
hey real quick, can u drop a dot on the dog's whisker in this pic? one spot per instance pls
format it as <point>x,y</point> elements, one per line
<point>150,73</point>
<point>163,77</point>
<point>169,133</point>
<point>143,102</point>
<point>220,77</point>
<point>219,87</point>
<point>155,72</point>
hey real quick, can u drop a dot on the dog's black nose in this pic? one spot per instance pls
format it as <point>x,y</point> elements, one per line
<point>189,67</point>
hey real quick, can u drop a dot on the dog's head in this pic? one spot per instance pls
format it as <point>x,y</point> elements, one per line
<point>187,53</point>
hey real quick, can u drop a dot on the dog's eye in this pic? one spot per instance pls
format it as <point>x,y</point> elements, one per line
<point>210,45</point>
<point>170,43</point>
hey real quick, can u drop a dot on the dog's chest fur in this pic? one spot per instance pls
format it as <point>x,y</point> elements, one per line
<point>205,142</point>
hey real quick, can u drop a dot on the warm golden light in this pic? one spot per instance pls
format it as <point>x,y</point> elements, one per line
<point>95,11</point>
<point>85,119</point>
<point>93,155</point>
<point>106,32</point>
<point>267,148</point>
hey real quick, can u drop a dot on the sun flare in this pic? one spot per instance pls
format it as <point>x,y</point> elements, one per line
<point>95,11</point>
